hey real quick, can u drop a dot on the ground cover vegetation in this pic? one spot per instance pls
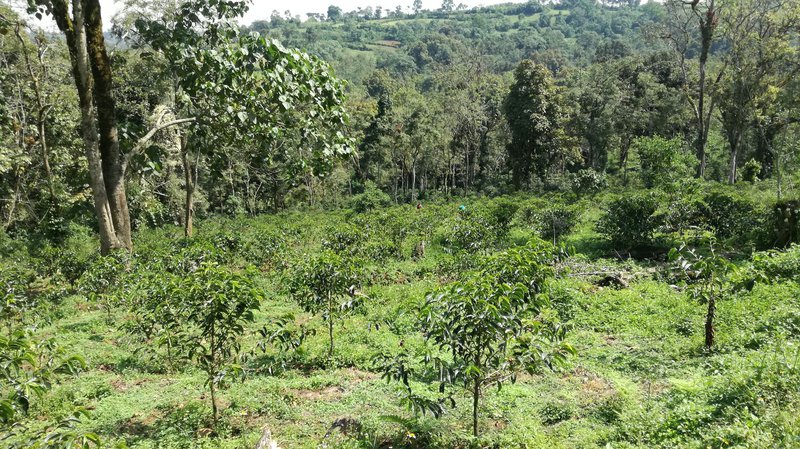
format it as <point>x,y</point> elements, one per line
<point>570,224</point>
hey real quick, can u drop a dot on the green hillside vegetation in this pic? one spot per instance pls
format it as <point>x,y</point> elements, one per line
<point>540,225</point>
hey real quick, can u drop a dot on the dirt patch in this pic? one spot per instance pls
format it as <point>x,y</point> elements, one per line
<point>358,375</point>
<point>122,386</point>
<point>592,385</point>
<point>333,392</point>
<point>139,425</point>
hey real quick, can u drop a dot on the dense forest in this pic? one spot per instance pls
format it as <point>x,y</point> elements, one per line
<point>566,224</point>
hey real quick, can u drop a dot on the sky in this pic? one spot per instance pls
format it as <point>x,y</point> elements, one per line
<point>261,9</point>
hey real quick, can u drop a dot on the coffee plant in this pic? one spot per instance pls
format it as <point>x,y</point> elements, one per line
<point>707,277</point>
<point>327,285</point>
<point>630,221</point>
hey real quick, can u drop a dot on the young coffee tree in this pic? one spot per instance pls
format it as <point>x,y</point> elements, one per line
<point>157,317</point>
<point>103,281</point>
<point>491,323</point>
<point>28,369</point>
<point>707,276</point>
<point>326,284</point>
<point>217,304</point>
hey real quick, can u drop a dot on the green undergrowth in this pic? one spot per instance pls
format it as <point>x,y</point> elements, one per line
<point>641,377</point>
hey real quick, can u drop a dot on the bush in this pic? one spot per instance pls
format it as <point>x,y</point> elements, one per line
<point>587,181</point>
<point>661,160</point>
<point>475,230</point>
<point>728,216</point>
<point>773,265</point>
<point>502,211</point>
<point>629,221</point>
<point>683,213</point>
<point>750,171</point>
<point>344,239</point>
<point>785,222</point>
<point>371,198</point>
<point>554,222</point>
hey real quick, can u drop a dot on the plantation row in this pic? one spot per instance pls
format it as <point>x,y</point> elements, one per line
<point>492,298</point>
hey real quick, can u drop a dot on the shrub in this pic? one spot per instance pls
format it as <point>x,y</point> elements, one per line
<point>263,247</point>
<point>683,213</point>
<point>750,171</point>
<point>785,222</point>
<point>490,322</point>
<point>476,230</point>
<point>371,198</point>
<point>629,221</point>
<point>661,160</point>
<point>587,181</point>
<point>344,239</point>
<point>15,297</point>
<point>554,222</point>
<point>326,285</point>
<point>103,281</point>
<point>774,265</point>
<point>200,316</point>
<point>502,211</point>
<point>728,216</point>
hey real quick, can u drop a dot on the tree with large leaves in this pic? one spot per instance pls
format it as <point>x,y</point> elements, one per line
<point>246,90</point>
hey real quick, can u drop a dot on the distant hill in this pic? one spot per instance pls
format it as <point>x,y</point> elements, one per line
<point>570,33</point>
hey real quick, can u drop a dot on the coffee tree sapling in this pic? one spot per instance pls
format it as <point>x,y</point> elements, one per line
<point>326,284</point>
<point>489,325</point>
<point>707,276</point>
<point>217,305</point>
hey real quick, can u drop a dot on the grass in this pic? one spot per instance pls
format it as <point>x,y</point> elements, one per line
<point>641,378</point>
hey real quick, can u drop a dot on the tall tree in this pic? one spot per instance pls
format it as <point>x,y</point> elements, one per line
<point>692,28</point>
<point>81,23</point>
<point>759,36</point>
<point>534,116</point>
<point>246,91</point>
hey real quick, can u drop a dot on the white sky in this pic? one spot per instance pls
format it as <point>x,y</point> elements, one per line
<point>261,9</point>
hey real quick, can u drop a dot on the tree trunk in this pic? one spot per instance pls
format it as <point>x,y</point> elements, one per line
<point>732,169</point>
<point>712,310</point>
<point>75,33</point>
<point>330,326</point>
<point>414,180</point>
<point>188,213</point>
<point>112,160</point>
<point>476,393</point>
<point>42,111</point>
<point>84,29</point>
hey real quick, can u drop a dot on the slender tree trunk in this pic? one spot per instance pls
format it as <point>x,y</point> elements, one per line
<point>212,374</point>
<point>188,213</point>
<point>46,158</point>
<point>414,180</point>
<point>708,24</point>
<point>712,310</point>
<point>42,112</point>
<point>732,169</point>
<point>330,326</point>
<point>476,393</point>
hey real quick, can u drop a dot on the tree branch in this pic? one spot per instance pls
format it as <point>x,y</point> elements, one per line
<point>146,138</point>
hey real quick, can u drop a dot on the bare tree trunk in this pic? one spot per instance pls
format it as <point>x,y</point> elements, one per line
<point>188,217</point>
<point>732,169</point>
<point>112,160</point>
<point>75,33</point>
<point>712,310</point>
<point>476,393</point>
<point>414,180</point>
